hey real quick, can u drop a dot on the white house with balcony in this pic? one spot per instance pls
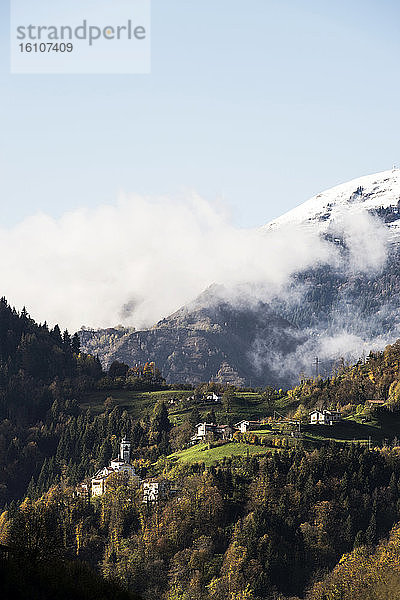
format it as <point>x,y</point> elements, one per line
<point>245,425</point>
<point>325,417</point>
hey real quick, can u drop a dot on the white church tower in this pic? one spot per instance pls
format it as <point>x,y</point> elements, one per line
<point>117,465</point>
<point>125,451</point>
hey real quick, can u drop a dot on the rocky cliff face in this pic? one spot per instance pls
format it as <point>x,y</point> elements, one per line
<point>211,339</point>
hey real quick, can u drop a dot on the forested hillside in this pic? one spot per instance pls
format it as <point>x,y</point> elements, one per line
<point>260,525</point>
<point>42,373</point>
<point>376,377</point>
<point>32,357</point>
<point>324,297</point>
<point>44,434</point>
<point>245,528</point>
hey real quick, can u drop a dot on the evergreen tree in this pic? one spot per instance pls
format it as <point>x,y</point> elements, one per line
<point>195,417</point>
<point>76,343</point>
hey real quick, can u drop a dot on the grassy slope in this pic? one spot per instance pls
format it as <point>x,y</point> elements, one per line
<point>201,453</point>
<point>136,403</point>
<point>246,404</point>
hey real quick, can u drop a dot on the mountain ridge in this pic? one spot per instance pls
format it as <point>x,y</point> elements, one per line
<point>201,342</point>
<point>332,309</point>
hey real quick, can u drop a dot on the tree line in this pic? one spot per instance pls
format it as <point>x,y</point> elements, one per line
<point>249,528</point>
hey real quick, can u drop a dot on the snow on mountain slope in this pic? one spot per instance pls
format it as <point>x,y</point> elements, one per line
<point>377,194</point>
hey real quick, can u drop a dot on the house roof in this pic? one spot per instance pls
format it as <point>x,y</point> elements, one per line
<point>104,472</point>
<point>332,412</point>
<point>100,477</point>
<point>213,425</point>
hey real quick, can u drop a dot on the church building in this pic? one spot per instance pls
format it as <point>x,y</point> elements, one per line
<point>120,464</point>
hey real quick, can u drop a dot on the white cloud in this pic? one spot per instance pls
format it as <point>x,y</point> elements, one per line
<point>139,260</point>
<point>365,236</point>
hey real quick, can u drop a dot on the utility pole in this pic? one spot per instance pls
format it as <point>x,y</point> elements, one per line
<point>316,366</point>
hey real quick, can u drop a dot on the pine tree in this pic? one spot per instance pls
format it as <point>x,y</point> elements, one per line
<point>370,534</point>
<point>76,343</point>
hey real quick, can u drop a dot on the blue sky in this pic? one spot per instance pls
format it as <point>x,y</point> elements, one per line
<point>259,103</point>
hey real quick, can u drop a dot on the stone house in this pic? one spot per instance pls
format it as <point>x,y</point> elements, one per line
<point>206,430</point>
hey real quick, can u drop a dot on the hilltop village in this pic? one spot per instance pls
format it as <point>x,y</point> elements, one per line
<point>155,489</point>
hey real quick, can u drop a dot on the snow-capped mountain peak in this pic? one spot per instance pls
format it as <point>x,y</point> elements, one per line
<point>377,194</point>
